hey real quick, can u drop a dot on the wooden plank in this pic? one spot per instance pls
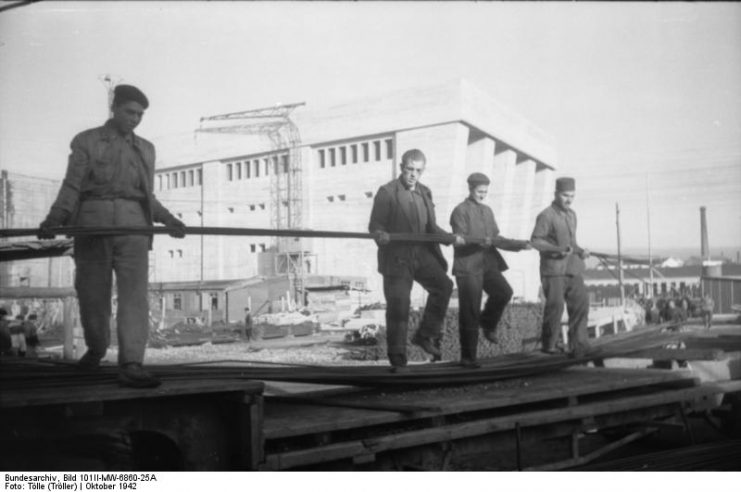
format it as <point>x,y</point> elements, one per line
<point>380,444</point>
<point>280,421</point>
<point>331,402</point>
<point>727,343</point>
<point>249,420</point>
<point>111,392</point>
<point>666,354</point>
<point>581,460</point>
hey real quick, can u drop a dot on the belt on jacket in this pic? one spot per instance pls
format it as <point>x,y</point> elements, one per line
<point>112,198</point>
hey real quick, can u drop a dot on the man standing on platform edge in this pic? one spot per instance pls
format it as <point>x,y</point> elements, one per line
<point>405,206</point>
<point>109,183</point>
<point>561,269</point>
<point>478,268</point>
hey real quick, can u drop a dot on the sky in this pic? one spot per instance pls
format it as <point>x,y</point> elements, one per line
<point>643,99</point>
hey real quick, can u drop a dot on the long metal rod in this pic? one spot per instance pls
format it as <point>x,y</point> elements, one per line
<point>245,231</point>
<point>228,231</point>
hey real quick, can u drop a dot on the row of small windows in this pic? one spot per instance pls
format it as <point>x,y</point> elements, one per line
<point>375,150</point>
<point>177,301</point>
<point>342,198</point>
<point>253,168</point>
<point>253,207</point>
<point>254,248</point>
<point>180,179</point>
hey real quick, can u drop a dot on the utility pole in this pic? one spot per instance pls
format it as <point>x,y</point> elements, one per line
<point>620,256</point>
<point>650,257</point>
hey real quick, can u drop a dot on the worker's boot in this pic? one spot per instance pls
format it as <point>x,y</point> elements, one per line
<point>470,364</point>
<point>89,362</point>
<point>133,375</point>
<point>398,363</point>
<point>427,344</point>
<point>491,336</point>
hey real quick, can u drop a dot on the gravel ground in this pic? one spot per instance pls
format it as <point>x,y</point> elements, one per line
<point>312,350</point>
<point>320,349</point>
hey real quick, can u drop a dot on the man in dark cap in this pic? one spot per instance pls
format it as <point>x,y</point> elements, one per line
<point>561,269</point>
<point>404,205</point>
<point>109,184</point>
<point>478,267</point>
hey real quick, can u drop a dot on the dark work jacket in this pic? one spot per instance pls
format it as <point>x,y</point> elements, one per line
<point>473,219</point>
<point>557,227</point>
<point>390,215</point>
<point>91,172</point>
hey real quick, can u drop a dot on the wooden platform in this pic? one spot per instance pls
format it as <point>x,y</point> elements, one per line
<point>562,403</point>
<point>518,411</point>
<point>78,423</point>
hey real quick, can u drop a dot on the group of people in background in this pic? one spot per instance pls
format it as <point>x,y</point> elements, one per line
<point>404,205</point>
<point>677,309</point>
<point>18,335</point>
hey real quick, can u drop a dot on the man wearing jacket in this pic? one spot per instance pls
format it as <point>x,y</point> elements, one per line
<point>561,269</point>
<point>478,267</point>
<point>405,206</point>
<point>108,183</point>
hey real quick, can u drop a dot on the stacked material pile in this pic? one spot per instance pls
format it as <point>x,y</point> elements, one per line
<point>518,331</point>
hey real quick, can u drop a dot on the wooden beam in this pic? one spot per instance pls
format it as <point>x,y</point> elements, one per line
<point>380,444</point>
<point>369,405</point>
<point>581,460</point>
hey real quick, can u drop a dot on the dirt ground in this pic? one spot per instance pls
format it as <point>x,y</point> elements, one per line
<point>318,349</point>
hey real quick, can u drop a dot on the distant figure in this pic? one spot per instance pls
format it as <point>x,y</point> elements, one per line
<point>248,324</point>
<point>685,306</point>
<point>561,270</point>
<point>6,343</point>
<point>478,268</point>
<point>109,183</point>
<point>707,308</point>
<point>17,336</point>
<point>672,313</point>
<point>404,205</point>
<point>30,330</point>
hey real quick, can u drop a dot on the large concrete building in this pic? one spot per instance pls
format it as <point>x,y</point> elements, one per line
<point>24,203</point>
<point>346,153</point>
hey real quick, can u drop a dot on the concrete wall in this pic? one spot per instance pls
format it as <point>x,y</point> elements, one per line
<point>24,203</point>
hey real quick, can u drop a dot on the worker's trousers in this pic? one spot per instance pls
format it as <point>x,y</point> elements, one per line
<point>428,272</point>
<point>470,315</point>
<point>96,259</point>
<point>570,289</point>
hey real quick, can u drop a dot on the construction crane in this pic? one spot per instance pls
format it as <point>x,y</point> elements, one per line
<point>285,171</point>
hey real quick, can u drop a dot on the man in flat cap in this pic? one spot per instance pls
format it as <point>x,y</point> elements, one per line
<point>109,184</point>
<point>561,269</point>
<point>404,205</point>
<point>478,267</point>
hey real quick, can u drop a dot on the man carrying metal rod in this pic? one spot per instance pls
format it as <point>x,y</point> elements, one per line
<point>405,206</point>
<point>108,183</point>
<point>561,269</point>
<point>479,267</point>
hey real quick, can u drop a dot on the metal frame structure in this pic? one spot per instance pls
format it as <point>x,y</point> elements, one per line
<point>285,171</point>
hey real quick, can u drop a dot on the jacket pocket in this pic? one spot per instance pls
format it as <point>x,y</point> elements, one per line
<point>95,213</point>
<point>130,213</point>
<point>101,171</point>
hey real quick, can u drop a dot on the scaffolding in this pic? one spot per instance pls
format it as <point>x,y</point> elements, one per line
<point>285,171</point>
